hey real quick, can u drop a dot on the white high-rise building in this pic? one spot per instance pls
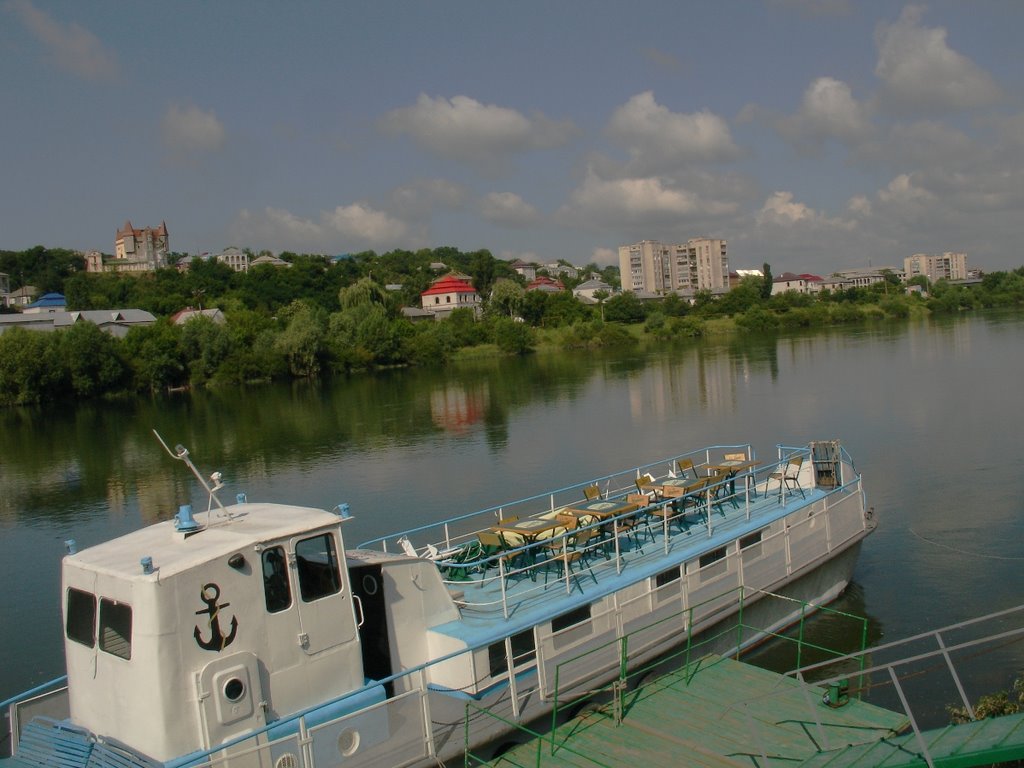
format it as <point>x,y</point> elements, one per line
<point>653,267</point>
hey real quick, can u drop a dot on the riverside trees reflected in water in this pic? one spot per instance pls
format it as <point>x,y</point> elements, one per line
<point>928,410</point>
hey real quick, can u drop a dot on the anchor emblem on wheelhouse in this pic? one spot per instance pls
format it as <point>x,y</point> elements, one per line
<point>210,594</point>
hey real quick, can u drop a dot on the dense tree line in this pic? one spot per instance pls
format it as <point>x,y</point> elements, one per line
<point>316,317</point>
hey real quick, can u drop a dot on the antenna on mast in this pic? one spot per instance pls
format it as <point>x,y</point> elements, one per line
<point>180,453</point>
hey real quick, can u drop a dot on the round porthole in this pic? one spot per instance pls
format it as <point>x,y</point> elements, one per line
<point>234,689</point>
<point>348,742</point>
<point>370,584</point>
<point>287,760</point>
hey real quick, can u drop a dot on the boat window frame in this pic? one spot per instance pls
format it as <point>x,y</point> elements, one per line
<point>318,580</point>
<point>75,619</point>
<point>277,588</point>
<point>114,630</point>
<point>524,651</point>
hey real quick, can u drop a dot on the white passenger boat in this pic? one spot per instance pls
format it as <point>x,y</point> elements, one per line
<point>248,635</point>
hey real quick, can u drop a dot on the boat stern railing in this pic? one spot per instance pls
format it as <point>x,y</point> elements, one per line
<point>48,699</point>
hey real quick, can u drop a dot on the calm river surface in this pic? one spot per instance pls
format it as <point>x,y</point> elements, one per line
<point>930,411</point>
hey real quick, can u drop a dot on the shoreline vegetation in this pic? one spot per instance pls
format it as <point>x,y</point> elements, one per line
<point>318,317</point>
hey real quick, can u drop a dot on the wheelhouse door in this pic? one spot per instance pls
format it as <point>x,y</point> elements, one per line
<point>325,615</point>
<point>368,586</point>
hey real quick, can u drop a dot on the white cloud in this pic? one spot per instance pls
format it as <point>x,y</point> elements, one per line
<point>921,73</point>
<point>859,205</point>
<point>481,135</point>
<point>660,140</point>
<point>508,209</point>
<point>651,200</point>
<point>190,131</point>
<point>828,111</point>
<point>74,48</point>
<point>903,190</point>
<point>364,223</point>
<point>605,257</point>
<point>347,227</point>
<point>780,210</point>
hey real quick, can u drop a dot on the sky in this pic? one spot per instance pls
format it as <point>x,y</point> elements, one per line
<point>812,135</point>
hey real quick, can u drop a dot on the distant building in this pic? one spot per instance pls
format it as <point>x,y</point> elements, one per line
<point>700,264</point>
<point>450,293</point>
<point>236,259</point>
<point>139,250</point>
<point>805,283</point>
<point>46,304</point>
<point>946,266</point>
<point>545,284</point>
<point>116,322</point>
<point>585,291</point>
<point>526,270</point>
<point>23,296</point>
<point>561,270</point>
<point>184,315</point>
<point>267,259</point>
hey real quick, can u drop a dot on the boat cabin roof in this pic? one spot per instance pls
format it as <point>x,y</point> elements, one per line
<point>172,551</point>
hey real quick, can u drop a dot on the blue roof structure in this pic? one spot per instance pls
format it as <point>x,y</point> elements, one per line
<point>50,300</point>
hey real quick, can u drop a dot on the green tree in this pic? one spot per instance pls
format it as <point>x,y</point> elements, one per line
<point>154,353</point>
<point>30,368</point>
<point>766,281</point>
<point>624,308</point>
<point>365,292</point>
<point>92,359</point>
<point>302,340</point>
<point>205,346</point>
<point>511,337</point>
<point>506,298</point>
<point>600,296</point>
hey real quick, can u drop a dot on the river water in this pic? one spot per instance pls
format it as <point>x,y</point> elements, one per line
<point>930,412</point>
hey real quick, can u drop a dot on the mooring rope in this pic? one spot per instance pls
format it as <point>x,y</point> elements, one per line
<point>963,551</point>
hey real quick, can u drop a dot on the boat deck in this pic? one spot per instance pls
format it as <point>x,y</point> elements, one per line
<point>533,589</point>
<point>718,713</point>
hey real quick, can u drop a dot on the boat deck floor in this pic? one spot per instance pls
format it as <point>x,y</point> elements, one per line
<point>718,713</point>
<point>537,589</point>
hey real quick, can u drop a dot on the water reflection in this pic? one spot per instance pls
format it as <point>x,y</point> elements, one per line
<point>928,410</point>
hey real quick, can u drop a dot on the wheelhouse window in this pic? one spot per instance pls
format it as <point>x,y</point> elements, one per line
<point>319,575</point>
<point>116,628</point>
<point>276,589</point>
<point>81,617</point>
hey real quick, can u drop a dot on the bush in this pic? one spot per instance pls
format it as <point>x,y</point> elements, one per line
<point>758,319</point>
<point>511,337</point>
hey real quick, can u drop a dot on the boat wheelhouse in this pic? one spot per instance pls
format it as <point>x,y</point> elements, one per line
<point>249,634</point>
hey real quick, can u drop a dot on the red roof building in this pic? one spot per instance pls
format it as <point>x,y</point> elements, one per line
<point>546,284</point>
<point>449,293</point>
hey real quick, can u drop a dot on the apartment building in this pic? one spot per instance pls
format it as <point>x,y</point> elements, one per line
<point>946,266</point>
<point>685,268</point>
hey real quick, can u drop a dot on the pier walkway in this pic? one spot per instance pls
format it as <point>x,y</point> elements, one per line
<point>718,712</point>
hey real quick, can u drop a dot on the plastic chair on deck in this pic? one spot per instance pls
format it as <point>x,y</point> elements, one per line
<point>592,493</point>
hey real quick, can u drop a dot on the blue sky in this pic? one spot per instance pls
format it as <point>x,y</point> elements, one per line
<point>814,135</point>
